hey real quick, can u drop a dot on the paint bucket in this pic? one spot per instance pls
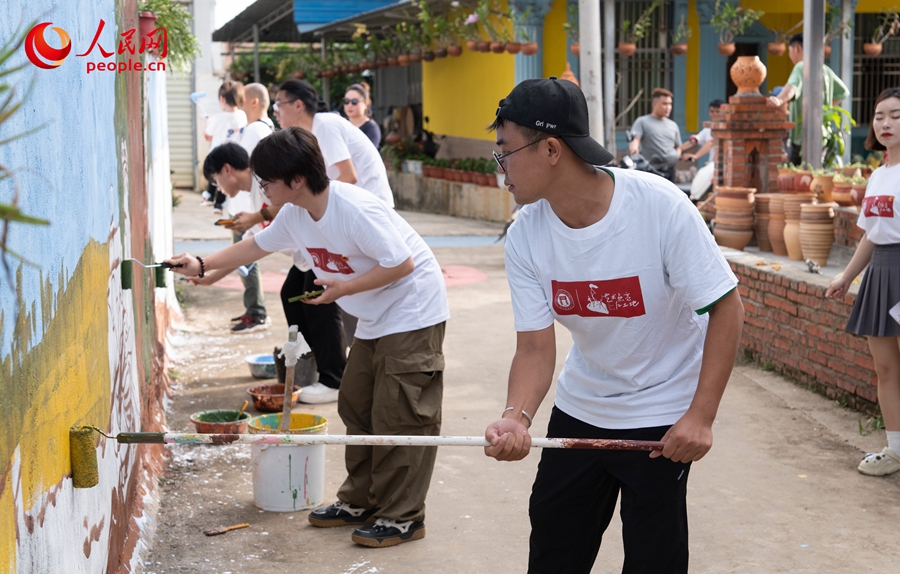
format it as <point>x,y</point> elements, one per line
<point>287,478</point>
<point>220,422</point>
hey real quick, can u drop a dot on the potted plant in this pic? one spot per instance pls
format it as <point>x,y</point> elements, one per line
<point>183,47</point>
<point>632,33</point>
<point>822,183</point>
<point>680,37</point>
<point>836,121</point>
<point>858,186</point>
<point>889,26</point>
<point>730,20</point>
<point>571,27</point>
<point>842,188</point>
<point>834,26</point>
<point>779,46</point>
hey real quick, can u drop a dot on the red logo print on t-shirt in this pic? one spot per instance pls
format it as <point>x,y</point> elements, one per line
<point>878,206</point>
<point>330,262</point>
<point>610,298</point>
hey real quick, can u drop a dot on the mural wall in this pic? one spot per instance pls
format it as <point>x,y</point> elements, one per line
<point>75,348</point>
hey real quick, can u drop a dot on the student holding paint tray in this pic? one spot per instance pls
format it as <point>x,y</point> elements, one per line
<point>375,266</point>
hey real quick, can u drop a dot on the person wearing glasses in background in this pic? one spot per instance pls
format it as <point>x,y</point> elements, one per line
<point>357,107</point>
<point>624,261</point>
<point>350,158</point>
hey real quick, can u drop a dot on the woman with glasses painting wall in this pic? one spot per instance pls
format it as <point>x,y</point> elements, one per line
<point>358,109</point>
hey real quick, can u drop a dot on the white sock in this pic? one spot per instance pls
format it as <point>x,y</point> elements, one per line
<point>893,438</point>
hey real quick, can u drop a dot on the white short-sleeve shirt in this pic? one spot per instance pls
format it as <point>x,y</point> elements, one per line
<point>628,288</point>
<point>340,140</point>
<point>358,232</point>
<point>878,216</point>
<point>249,136</point>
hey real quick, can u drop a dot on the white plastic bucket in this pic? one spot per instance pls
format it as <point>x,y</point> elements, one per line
<point>288,478</point>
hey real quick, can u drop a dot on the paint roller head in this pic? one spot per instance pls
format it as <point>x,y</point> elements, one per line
<point>83,456</point>
<point>160,277</point>
<point>127,268</point>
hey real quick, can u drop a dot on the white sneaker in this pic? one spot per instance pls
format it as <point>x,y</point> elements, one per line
<point>317,394</point>
<point>878,463</point>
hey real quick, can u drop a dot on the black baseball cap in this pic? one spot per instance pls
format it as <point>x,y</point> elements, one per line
<point>556,107</point>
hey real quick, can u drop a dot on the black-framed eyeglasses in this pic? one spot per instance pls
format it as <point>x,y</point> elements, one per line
<point>501,159</point>
<point>353,101</point>
<point>262,185</point>
<point>276,104</point>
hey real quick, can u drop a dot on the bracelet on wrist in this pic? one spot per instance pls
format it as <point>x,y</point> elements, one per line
<point>527,416</point>
<point>202,267</point>
<point>265,214</point>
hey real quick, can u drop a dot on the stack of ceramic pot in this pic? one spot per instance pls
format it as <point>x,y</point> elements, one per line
<point>776,224</point>
<point>841,192</point>
<point>734,216</point>
<point>817,231</point>
<point>762,221</point>
<point>792,205</point>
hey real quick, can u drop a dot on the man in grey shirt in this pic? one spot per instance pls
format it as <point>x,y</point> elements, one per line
<point>657,137</point>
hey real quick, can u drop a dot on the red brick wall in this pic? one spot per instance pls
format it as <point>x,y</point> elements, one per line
<point>846,232</point>
<point>790,326</point>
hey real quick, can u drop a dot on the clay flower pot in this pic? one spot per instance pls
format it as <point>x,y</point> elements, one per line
<point>678,49</point>
<point>147,23</point>
<point>841,193</point>
<point>454,50</point>
<point>484,46</point>
<point>827,50</point>
<point>393,61</point>
<point>513,47</point>
<point>726,49</point>
<point>428,56</point>
<point>498,47</point>
<point>415,57</point>
<point>382,62</point>
<point>575,49</point>
<point>777,48</point>
<point>627,48</point>
<point>802,180</point>
<point>785,181</point>
<point>403,59</point>
<point>748,73</point>
<point>822,185</point>
<point>440,53</point>
<point>733,238</point>
<point>530,48</point>
<point>872,49</point>
<point>471,45</point>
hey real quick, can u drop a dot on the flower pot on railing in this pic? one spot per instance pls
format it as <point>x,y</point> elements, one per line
<point>498,47</point>
<point>872,49</point>
<point>530,48</point>
<point>513,47</point>
<point>440,53</point>
<point>428,56</point>
<point>726,49</point>
<point>777,48</point>
<point>841,193</point>
<point>472,45</point>
<point>454,50</point>
<point>415,57</point>
<point>484,46</point>
<point>678,49</point>
<point>403,59</point>
<point>827,50</point>
<point>393,61</point>
<point>575,49</point>
<point>627,48</point>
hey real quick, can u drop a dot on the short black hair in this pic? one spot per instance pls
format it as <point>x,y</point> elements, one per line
<point>796,39</point>
<point>306,93</point>
<point>230,153</point>
<point>716,103</point>
<point>288,154</point>
<point>529,134</point>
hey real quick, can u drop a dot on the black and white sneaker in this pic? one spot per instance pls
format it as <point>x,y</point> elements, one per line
<point>250,323</point>
<point>386,533</point>
<point>341,514</point>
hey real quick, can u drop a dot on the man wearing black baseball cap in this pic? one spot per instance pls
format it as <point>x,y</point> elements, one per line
<point>623,260</point>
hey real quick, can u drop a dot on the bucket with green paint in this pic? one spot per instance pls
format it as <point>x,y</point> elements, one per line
<point>287,478</point>
<point>221,421</point>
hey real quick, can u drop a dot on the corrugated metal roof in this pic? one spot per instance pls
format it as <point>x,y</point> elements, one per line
<point>275,19</point>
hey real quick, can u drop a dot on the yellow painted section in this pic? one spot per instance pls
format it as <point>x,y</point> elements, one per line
<point>8,526</point>
<point>868,6</point>
<point>69,373</point>
<point>796,6</point>
<point>556,47</point>
<point>692,86</point>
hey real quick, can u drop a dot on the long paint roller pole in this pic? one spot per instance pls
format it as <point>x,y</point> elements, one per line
<point>290,352</point>
<point>84,460</point>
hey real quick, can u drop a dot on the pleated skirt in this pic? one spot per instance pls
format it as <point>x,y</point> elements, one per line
<point>879,291</point>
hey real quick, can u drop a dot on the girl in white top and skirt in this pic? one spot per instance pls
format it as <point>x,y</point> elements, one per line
<point>879,248</point>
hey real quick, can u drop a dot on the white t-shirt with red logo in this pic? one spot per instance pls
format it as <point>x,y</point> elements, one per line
<point>628,288</point>
<point>358,232</point>
<point>878,215</point>
<point>340,140</point>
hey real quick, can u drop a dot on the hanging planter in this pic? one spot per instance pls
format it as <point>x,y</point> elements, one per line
<point>498,47</point>
<point>440,53</point>
<point>872,49</point>
<point>678,49</point>
<point>530,48</point>
<point>415,57</point>
<point>147,23</point>
<point>514,47</point>
<point>731,20</point>
<point>827,50</point>
<point>575,49</point>
<point>777,48</point>
<point>394,61</point>
<point>454,50</point>
<point>484,46</point>
<point>428,56</point>
<point>726,49</point>
<point>471,45</point>
<point>627,48</point>
<point>403,59</point>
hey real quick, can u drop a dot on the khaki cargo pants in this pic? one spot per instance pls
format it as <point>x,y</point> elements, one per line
<point>392,386</point>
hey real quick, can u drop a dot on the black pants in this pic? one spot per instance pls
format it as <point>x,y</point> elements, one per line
<point>320,325</point>
<point>574,497</point>
<point>795,158</point>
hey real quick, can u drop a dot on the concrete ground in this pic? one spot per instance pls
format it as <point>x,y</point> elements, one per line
<point>779,492</point>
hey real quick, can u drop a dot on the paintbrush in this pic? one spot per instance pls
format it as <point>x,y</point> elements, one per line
<point>164,265</point>
<point>223,530</point>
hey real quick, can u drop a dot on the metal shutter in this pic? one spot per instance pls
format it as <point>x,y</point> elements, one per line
<point>181,130</point>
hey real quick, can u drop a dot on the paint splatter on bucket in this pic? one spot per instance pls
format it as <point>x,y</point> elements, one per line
<point>287,478</point>
<point>221,421</point>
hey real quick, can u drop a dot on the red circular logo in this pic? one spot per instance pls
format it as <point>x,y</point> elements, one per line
<point>564,300</point>
<point>42,54</point>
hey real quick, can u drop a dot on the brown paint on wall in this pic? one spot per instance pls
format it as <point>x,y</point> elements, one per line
<point>93,536</point>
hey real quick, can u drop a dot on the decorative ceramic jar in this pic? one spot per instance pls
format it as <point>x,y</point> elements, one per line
<point>748,73</point>
<point>822,185</point>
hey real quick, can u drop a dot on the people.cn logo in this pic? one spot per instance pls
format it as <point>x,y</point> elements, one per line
<point>42,54</point>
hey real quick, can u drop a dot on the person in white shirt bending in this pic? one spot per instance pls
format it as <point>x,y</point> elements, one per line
<point>623,260</point>
<point>373,264</point>
<point>222,127</point>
